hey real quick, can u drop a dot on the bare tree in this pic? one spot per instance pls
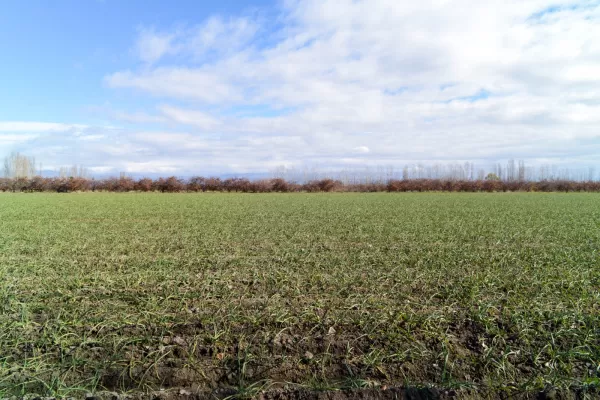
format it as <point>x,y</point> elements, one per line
<point>591,173</point>
<point>521,171</point>
<point>75,171</point>
<point>480,174</point>
<point>17,165</point>
<point>510,170</point>
<point>405,174</point>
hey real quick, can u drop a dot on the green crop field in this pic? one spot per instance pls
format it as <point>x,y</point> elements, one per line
<point>467,293</point>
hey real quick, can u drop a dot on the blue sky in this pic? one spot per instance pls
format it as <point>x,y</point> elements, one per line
<point>55,54</point>
<point>250,86</point>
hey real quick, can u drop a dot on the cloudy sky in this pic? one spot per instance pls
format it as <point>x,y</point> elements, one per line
<point>215,87</point>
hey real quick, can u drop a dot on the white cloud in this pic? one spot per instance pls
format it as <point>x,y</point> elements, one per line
<point>136,117</point>
<point>152,167</point>
<point>583,73</point>
<point>361,149</point>
<point>22,126</point>
<point>411,72</point>
<point>91,137</point>
<point>7,139</point>
<point>151,45</point>
<point>100,169</point>
<point>216,35</point>
<point>220,35</point>
<point>355,82</point>
<point>190,117</point>
<point>178,83</point>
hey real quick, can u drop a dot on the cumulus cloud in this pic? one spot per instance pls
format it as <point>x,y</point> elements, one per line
<point>215,36</point>
<point>190,117</point>
<point>18,135</point>
<point>435,79</point>
<point>379,82</point>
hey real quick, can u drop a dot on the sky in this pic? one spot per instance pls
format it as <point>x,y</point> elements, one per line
<point>224,87</point>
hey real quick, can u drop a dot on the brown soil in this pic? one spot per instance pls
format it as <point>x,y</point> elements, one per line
<point>217,369</point>
<point>360,394</point>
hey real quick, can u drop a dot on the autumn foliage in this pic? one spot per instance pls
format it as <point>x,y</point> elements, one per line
<point>243,185</point>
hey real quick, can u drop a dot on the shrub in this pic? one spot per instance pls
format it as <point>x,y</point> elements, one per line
<point>492,177</point>
<point>170,185</point>
<point>261,186</point>
<point>4,184</point>
<point>39,184</point>
<point>213,184</point>
<point>125,184</point>
<point>329,185</point>
<point>236,185</point>
<point>143,185</point>
<point>197,184</point>
<point>279,185</point>
<point>311,186</point>
<point>491,185</point>
<point>77,184</point>
<point>60,185</point>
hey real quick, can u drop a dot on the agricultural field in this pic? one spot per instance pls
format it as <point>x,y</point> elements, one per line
<point>449,294</point>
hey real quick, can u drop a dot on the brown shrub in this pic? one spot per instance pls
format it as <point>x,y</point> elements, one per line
<point>196,184</point>
<point>261,186</point>
<point>125,184</point>
<point>311,186</point>
<point>491,185</point>
<point>5,184</point>
<point>60,185</point>
<point>213,184</point>
<point>169,185</point>
<point>37,184</point>
<point>143,185</point>
<point>236,185</point>
<point>394,186</point>
<point>279,185</point>
<point>77,184</point>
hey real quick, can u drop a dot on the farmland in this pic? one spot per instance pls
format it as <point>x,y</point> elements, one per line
<point>134,292</point>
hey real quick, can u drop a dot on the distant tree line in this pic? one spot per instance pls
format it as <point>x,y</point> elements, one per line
<point>17,165</point>
<point>242,185</point>
<point>512,171</point>
<point>20,175</point>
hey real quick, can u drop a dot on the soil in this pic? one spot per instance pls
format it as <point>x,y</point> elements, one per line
<point>217,369</point>
<point>396,393</point>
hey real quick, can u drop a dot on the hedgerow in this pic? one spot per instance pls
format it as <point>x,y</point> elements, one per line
<point>243,185</point>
